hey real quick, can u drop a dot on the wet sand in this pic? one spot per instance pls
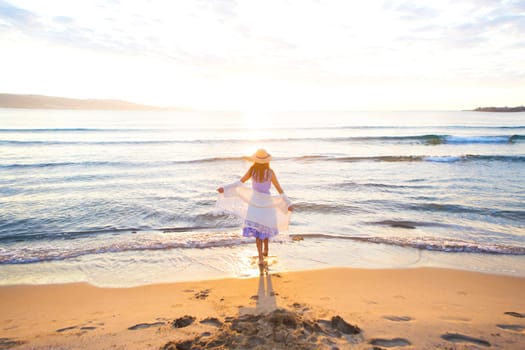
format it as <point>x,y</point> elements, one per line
<point>423,308</point>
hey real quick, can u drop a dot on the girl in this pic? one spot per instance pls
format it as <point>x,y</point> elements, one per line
<point>262,213</point>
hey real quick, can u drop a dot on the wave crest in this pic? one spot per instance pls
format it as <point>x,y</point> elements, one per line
<point>447,245</point>
<point>426,139</point>
<point>169,239</point>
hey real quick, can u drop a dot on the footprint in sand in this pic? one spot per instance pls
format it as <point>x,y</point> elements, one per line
<point>66,329</point>
<point>70,328</point>
<point>300,307</point>
<point>456,319</point>
<point>202,295</point>
<point>515,314</point>
<point>390,343</point>
<point>398,318</point>
<point>182,322</point>
<point>460,338</point>
<point>212,321</point>
<point>8,343</point>
<point>512,327</point>
<point>145,325</point>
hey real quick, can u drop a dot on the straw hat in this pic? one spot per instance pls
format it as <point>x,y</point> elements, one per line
<point>261,156</point>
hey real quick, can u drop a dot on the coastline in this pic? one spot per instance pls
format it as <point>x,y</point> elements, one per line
<point>130,269</point>
<point>421,308</point>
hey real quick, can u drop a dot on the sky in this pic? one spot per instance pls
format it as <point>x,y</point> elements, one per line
<point>268,55</point>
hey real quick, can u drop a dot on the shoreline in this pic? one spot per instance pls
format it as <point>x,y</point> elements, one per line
<point>424,307</point>
<point>131,269</point>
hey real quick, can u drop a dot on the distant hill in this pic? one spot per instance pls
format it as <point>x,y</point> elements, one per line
<point>500,109</point>
<point>52,102</point>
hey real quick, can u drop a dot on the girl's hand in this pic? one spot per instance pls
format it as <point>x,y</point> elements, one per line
<point>220,190</point>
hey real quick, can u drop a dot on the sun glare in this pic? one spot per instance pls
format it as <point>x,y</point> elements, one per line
<point>254,125</point>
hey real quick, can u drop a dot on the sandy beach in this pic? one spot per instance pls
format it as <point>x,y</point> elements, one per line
<point>424,308</point>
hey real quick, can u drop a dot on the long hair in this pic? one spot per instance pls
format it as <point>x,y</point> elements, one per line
<point>260,172</point>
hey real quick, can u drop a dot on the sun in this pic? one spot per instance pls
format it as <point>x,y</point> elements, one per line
<point>256,124</point>
<point>257,130</point>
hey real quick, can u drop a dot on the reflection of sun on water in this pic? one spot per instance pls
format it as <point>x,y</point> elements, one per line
<point>246,265</point>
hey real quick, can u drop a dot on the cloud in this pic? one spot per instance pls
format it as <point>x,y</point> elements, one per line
<point>223,9</point>
<point>332,44</point>
<point>64,20</point>
<point>16,16</point>
<point>66,30</point>
<point>517,6</point>
<point>410,11</point>
<point>497,30</point>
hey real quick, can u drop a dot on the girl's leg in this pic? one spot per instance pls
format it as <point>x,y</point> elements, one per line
<point>265,250</point>
<point>259,243</point>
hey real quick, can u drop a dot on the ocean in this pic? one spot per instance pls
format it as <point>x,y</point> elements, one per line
<point>123,198</point>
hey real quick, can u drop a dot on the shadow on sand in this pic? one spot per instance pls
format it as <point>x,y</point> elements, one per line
<point>265,298</point>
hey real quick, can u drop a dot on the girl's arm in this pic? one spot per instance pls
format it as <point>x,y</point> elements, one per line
<point>276,183</point>
<point>278,187</point>
<point>245,178</point>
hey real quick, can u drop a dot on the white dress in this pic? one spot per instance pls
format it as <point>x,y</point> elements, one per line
<point>263,215</point>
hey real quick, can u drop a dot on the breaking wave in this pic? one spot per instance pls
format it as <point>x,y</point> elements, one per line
<point>174,239</point>
<point>431,243</point>
<point>429,139</point>
<point>71,249</point>
<point>306,158</point>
